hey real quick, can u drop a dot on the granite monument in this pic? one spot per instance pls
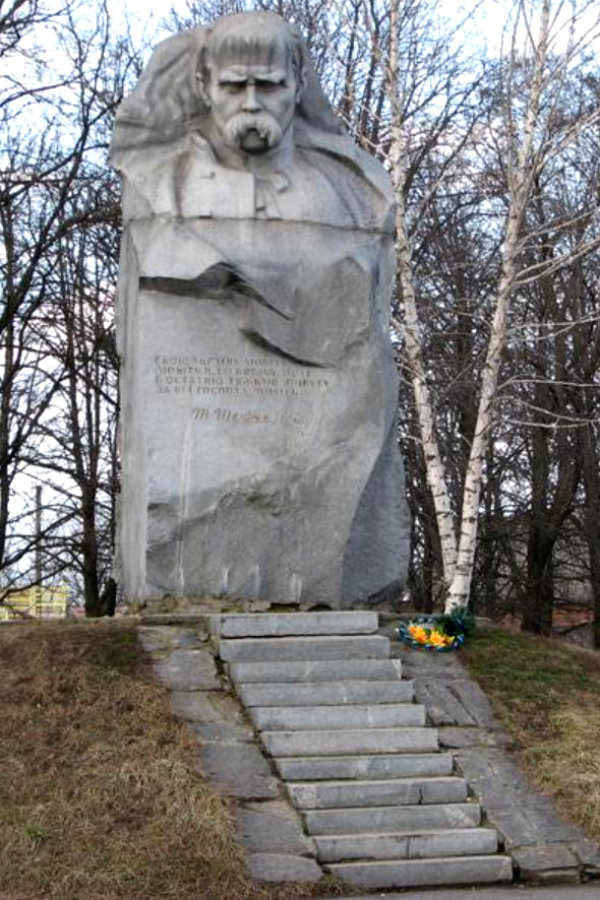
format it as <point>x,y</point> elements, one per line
<point>259,393</point>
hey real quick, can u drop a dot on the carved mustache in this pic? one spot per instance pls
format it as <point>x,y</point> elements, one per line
<point>265,125</point>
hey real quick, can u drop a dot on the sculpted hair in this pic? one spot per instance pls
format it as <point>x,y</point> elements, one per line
<point>253,36</point>
<point>169,100</point>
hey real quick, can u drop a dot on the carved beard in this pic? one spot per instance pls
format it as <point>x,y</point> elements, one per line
<point>253,132</point>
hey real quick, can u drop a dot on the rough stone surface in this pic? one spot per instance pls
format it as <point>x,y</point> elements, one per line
<point>272,827</point>
<point>523,817</point>
<point>223,732</point>
<point>421,664</point>
<point>287,624</point>
<point>368,646</point>
<point>326,693</point>
<point>458,737</point>
<point>445,687</point>
<point>293,672</point>
<point>151,643</point>
<point>240,770</point>
<point>533,861</point>
<point>555,876</point>
<point>459,842</point>
<point>282,867</point>
<point>443,705</point>
<point>454,701</point>
<point>412,873</point>
<point>588,854</point>
<point>351,767</point>
<point>203,706</point>
<point>359,742</point>
<point>397,792</point>
<point>213,716</point>
<point>188,670</point>
<point>529,824</point>
<point>386,819</point>
<point>304,718</point>
<point>157,638</point>
<point>258,423</point>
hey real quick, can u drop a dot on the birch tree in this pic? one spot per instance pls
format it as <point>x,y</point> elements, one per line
<point>528,107</point>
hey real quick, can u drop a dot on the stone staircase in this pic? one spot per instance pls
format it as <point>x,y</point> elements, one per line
<point>380,801</point>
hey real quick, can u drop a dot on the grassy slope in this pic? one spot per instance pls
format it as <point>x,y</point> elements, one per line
<point>547,694</point>
<point>99,794</point>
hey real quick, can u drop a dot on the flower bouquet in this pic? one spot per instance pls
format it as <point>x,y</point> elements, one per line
<point>441,633</point>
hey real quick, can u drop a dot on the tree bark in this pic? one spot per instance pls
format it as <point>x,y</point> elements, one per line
<point>591,482</point>
<point>539,589</point>
<point>409,327</point>
<point>519,184</point>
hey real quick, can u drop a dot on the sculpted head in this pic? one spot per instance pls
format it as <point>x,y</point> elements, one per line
<point>251,77</point>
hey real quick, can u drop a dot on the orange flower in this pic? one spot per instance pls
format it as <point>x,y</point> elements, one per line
<point>418,633</point>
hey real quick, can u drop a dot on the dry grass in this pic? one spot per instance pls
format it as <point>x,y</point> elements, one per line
<point>547,694</point>
<point>99,794</point>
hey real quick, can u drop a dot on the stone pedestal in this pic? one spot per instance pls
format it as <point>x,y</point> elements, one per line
<point>248,473</point>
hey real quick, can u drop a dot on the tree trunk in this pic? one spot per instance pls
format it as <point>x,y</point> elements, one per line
<point>519,184</point>
<point>89,552</point>
<point>108,598</point>
<point>5,462</point>
<point>591,482</point>
<point>539,588</point>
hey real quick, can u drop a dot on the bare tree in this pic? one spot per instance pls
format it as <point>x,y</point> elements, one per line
<point>530,87</point>
<point>80,427</point>
<point>54,190</point>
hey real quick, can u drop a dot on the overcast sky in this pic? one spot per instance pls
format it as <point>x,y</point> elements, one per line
<point>487,26</point>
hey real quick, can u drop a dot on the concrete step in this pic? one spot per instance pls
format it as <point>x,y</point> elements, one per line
<point>379,819</point>
<point>352,741</point>
<point>315,670</point>
<point>368,646</point>
<point>424,872</point>
<point>287,624</point>
<point>425,845</point>
<point>311,718</point>
<point>318,768</point>
<point>396,792</point>
<point>326,693</point>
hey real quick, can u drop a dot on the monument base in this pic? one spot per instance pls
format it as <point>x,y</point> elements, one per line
<point>250,473</point>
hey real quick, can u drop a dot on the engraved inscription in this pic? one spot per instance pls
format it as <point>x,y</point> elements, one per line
<point>224,376</point>
<point>248,417</point>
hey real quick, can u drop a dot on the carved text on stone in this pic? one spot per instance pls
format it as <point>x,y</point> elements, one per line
<point>229,377</point>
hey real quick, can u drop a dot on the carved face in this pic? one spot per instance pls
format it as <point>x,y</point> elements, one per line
<point>252,96</point>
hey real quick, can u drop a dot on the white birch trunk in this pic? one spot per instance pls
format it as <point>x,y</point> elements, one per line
<point>409,327</point>
<point>519,184</point>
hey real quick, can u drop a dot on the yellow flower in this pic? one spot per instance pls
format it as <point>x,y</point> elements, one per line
<point>418,633</point>
<point>437,639</point>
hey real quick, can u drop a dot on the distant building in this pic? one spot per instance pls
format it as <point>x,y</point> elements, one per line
<point>35,603</point>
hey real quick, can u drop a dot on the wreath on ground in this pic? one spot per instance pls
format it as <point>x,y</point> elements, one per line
<point>441,633</point>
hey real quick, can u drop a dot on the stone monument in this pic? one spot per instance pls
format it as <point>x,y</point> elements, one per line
<point>259,393</point>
